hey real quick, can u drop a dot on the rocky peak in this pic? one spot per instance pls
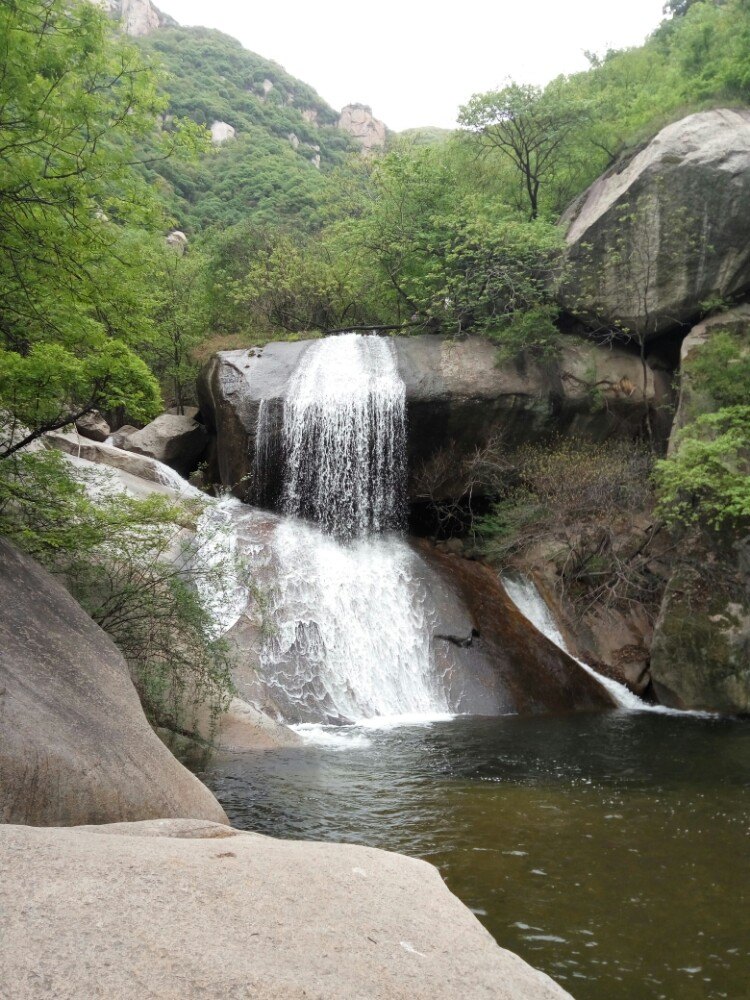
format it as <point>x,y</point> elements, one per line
<point>137,17</point>
<point>358,121</point>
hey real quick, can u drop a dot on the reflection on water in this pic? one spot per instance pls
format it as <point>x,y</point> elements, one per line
<point>611,851</point>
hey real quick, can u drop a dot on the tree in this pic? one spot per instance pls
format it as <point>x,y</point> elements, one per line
<point>527,125</point>
<point>180,320</point>
<point>74,102</point>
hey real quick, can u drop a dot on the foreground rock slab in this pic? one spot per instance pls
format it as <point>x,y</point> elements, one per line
<point>196,910</point>
<point>75,746</point>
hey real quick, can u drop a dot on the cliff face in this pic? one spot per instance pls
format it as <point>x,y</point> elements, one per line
<point>357,120</point>
<point>137,17</point>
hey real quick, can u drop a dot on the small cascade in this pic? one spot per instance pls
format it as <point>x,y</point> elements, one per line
<point>352,628</point>
<point>532,606</point>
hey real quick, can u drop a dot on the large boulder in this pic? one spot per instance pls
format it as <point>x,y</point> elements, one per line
<point>456,394</point>
<point>661,232</point>
<point>75,746</point>
<point>93,425</point>
<point>177,440</point>
<point>194,910</point>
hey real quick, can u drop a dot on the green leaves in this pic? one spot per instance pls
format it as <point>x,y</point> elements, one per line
<point>707,481</point>
<point>137,568</point>
<point>51,386</point>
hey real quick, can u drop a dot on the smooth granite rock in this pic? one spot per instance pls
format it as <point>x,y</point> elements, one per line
<point>196,911</point>
<point>665,230</point>
<point>75,746</point>
<point>457,397</point>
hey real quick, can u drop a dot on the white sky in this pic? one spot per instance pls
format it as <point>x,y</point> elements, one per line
<point>415,62</point>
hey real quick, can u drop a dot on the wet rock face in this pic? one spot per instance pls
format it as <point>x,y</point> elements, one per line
<point>457,398</point>
<point>657,235</point>
<point>527,673</point>
<point>75,746</point>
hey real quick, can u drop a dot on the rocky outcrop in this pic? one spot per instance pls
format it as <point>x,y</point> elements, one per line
<point>692,401</point>
<point>358,121</point>
<point>659,233</point>
<point>457,397</point>
<point>178,241</point>
<point>137,17</point>
<point>700,658</point>
<point>177,441</point>
<point>140,473</point>
<point>221,132</point>
<point>75,746</point>
<point>168,909</point>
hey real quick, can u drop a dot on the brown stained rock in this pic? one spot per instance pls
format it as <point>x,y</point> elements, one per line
<point>534,674</point>
<point>190,910</point>
<point>75,746</point>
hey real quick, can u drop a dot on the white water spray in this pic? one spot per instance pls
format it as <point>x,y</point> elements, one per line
<point>352,616</point>
<point>345,437</point>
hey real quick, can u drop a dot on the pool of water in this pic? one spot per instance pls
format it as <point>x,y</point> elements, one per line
<point>612,851</point>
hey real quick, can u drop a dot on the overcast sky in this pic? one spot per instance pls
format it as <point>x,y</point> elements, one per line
<point>416,61</point>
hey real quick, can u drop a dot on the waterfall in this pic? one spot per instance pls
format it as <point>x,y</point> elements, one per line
<point>352,632</point>
<point>351,614</point>
<point>344,430</point>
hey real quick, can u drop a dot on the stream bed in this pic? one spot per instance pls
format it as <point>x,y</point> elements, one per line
<point>610,850</point>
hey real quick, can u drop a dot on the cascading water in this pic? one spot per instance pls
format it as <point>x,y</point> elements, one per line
<point>532,606</point>
<point>345,437</point>
<point>352,618</point>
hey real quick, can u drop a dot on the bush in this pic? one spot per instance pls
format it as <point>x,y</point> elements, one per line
<point>706,483</point>
<point>577,500</point>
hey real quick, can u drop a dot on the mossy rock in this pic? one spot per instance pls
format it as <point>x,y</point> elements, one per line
<point>700,658</point>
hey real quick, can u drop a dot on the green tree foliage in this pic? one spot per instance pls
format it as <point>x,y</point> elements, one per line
<point>73,104</point>
<point>267,172</point>
<point>721,368</point>
<point>530,127</point>
<point>706,483</point>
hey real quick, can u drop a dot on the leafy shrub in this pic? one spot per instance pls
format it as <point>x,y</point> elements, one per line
<point>706,483</point>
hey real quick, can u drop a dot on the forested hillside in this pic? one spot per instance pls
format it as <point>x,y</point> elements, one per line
<point>275,167</point>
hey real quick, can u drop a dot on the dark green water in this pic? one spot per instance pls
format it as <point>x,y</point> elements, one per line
<point>612,851</point>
